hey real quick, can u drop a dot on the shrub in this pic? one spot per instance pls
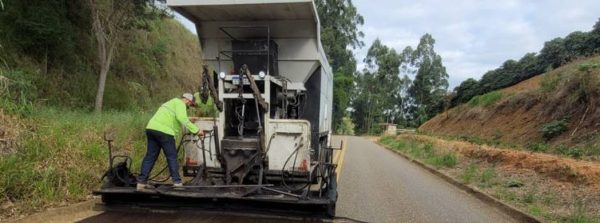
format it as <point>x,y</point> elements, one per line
<point>487,176</point>
<point>447,160</point>
<point>486,100</point>
<point>550,81</point>
<point>470,173</point>
<point>346,126</point>
<point>386,140</point>
<point>569,151</point>
<point>538,147</point>
<point>554,128</point>
<point>514,183</point>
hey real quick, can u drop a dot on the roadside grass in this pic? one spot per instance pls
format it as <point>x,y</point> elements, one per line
<point>62,156</point>
<point>470,173</point>
<point>531,195</point>
<point>422,151</point>
<point>575,152</point>
<point>589,151</point>
<point>494,141</point>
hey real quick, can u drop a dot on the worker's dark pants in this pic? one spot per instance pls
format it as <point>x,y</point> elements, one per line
<point>157,140</point>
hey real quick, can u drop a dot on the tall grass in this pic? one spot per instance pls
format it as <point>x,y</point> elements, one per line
<point>422,151</point>
<point>63,155</point>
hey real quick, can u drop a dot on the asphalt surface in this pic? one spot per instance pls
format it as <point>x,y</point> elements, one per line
<point>377,185</point>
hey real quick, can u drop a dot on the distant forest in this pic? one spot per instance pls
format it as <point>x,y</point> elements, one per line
<point>555,53</point>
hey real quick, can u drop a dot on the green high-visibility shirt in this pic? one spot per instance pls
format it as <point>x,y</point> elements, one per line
<point>170,117</point>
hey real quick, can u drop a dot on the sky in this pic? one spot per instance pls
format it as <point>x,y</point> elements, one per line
<point>472,36</point>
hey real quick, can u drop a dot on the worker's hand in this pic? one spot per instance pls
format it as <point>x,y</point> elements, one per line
<point>194,119</point>
<point>200,133</point>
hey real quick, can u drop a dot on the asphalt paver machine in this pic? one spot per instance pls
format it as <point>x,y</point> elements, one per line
<point>267,149</point>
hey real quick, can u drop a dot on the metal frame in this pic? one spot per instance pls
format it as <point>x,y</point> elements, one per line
<point>223,52</point>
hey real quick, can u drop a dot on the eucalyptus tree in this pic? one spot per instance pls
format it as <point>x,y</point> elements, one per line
<point>431,80</point>
<point>339,34</point>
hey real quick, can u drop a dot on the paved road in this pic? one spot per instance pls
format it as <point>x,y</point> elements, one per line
<point>377,185</point>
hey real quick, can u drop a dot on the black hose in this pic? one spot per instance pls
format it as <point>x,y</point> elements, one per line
<point>295,152</point>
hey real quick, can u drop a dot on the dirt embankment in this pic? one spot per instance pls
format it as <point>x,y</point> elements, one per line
<point>563,169</point>
<point>569,94</point>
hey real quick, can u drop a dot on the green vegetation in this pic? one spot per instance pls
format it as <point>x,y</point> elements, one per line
<point>579,214</point>
<point>385,93</point>
<point>487,177</point>
<point>47,54</point>
<point>469,173</point>
<point>539,147</point>
<point>63,155</point>
<point>555,53</point>
<point>422,151</point>
<point>569,90</point>
<point>346,127</point>
<point>514,183</point>
<point>340,23</point>
<point>520,191</point>
<point>550,82</point>
<point>554,128</point>
<point>486,100</point>
<point>48,80</point>
<point>446,160</point>
<point>472,174</point>
<point>495,141</point>
<point>577,152</point>
<point>569,151</point>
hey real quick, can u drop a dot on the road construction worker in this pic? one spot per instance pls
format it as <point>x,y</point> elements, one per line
<point>160,132</point>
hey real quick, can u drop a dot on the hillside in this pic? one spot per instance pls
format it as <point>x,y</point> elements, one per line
<point>556,112</point>
<point>149,66</point>
<point>51,147</point>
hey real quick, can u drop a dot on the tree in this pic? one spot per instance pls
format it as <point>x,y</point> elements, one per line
<point>431,80</point>
<point>381,92</point>
<point>553,54</point>
<point>594,39</point>
<point>530,66</point>
<point>465,91</point>
<point>339,31</point>
<point>576,45</point>
<point>384,62</point>
<point>366,102</point>
<point>110,19</point>
<point>39,26</point>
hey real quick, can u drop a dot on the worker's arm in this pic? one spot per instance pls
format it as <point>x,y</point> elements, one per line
<point>182,117</point>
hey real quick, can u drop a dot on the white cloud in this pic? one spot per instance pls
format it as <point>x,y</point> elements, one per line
<point>474,36</point>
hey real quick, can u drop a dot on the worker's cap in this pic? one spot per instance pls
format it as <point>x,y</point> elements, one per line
<point>190,97</point>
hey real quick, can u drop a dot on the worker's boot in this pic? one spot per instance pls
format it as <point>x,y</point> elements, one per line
<point>144,187</point>
<point>178,186</point>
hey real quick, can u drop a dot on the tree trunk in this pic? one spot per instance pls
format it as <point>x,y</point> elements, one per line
<point>106,42</point>
<point>100,90</point>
